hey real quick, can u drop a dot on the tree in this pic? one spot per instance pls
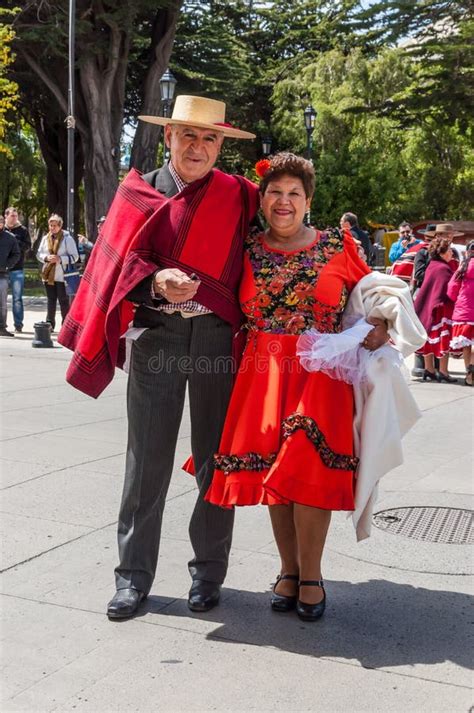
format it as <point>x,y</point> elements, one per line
<point>105,30</point>
<point>152,66</point>
<point>8,88</point>
<point>366,162</point>
<point>238,50</point>
<point>22,178</point>
<point>438,37</point>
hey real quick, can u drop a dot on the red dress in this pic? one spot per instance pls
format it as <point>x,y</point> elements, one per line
<point>288,432</point>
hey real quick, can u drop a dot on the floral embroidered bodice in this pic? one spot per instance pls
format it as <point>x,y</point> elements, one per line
<point>285,300</point>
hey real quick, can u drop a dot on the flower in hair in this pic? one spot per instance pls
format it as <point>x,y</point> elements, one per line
<point>261,167</point>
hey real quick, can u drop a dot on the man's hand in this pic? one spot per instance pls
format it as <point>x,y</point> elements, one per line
<point>174,285</point>
<point>377,336</point>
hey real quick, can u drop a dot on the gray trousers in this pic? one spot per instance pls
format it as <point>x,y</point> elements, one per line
<point>3,301</point>
<point>164,360</point>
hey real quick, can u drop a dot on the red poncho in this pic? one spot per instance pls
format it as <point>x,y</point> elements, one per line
<point>200,230</point>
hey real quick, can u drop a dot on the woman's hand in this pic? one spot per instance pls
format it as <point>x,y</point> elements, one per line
<point>378,336</point>
<point>54,258</point>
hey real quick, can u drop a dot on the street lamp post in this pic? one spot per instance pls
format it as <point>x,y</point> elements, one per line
<point>266,145</point>
<point>167,87</point>
<point>70,122</point>
<point>309,122</point>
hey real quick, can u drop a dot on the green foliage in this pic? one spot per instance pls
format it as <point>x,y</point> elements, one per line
<point>8,88</point>
<point>23,175</point>
<point>438,37</point>
<point>380,168</point>
<point>392,85</point>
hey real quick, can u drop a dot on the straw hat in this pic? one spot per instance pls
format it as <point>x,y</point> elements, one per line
<point>443,229</point>
<point>201,112</point>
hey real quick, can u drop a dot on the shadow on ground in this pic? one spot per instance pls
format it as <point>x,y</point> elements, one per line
<point>378,623</point>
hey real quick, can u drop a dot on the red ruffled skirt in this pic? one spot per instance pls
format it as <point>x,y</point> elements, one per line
<point>462,335</point>
<point>439,335</point>
<point>288,433</point>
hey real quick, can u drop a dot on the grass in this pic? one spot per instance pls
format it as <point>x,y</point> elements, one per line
<point>34,291</point>
<point>33,284</point>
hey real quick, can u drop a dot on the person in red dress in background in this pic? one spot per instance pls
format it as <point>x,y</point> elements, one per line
<point>461,291</point>
<point>287,440</point>
<point>435,309</point>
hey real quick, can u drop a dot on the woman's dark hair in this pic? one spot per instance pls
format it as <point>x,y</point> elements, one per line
<point>469,254</point>
<point>437,247</point>
<point>287,164</point>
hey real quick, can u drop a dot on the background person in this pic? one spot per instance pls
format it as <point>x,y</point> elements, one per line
<point>16,274</point>
<point>435,309</point>
<point>349,221</point>
<point>9,256</point>
<point>87,245</point>
<point>406,240</point>
<point>461,291</point>
<point>55,250</point>
<point>422,256</point>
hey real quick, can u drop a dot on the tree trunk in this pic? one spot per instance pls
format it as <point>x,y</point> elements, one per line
<point>52,140</point>
<point>147,136</point>
<point>102,95</point>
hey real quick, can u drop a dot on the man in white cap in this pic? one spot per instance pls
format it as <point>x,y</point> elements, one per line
<point>182,273</point>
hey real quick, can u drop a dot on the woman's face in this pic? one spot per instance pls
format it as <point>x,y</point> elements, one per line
<point>54,226</point>
<point>284,204</point>
<point>447,255</point>
<point>2,222</point>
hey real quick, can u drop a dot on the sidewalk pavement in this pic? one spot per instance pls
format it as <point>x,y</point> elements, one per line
<point>395,633</point>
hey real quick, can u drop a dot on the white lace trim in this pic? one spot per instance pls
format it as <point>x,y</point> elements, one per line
<point>460,342</point>
<point>444,320</point>
<point>444,333</point>
<point>341,355</point>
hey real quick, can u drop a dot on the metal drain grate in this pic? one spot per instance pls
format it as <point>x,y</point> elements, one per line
<point>451,526</point>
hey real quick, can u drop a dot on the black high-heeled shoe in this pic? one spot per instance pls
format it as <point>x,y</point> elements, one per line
<point>311,612</point>
<point>430,375</point>
<point>446,377</point>
<point>281,602</point>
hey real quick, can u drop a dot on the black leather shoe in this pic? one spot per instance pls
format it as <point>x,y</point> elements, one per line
<point>203,595</point>
<point>311,612</point>
<point>125,603</point>
<point>430,375</point>
<point>446,377</point>
<point>281,602</point>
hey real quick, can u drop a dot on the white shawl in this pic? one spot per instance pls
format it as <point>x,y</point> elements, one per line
<point>385,409</point>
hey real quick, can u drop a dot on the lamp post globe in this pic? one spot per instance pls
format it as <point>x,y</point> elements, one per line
<point>266,145</point>
<point>310,115</point>
<point>167,87</point>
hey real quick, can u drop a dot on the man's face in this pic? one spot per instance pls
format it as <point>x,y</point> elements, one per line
<point>11,219</point>
<point>2,222</point>
<point>404,232</point>
<point>193,151</point>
